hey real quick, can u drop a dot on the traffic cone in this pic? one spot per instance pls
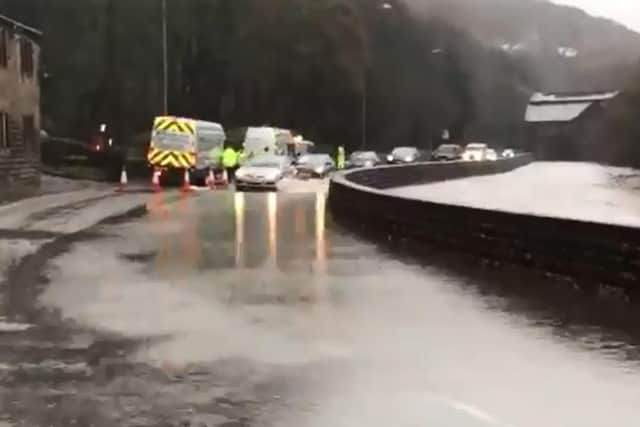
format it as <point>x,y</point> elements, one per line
<point>186,183</point>
<point>155,180</point>
<point>123,180</point>
<point>211,181</point>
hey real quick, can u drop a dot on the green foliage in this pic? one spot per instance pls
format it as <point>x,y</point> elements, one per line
<point>300,64</point>
<point>624,126</point>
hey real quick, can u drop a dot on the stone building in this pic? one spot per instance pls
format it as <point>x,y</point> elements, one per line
<point>19,104</point>
<point>567,126</point>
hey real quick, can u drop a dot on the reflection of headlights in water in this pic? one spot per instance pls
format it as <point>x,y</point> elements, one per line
<point>320,213</point>
<point>300,222</point>
<point>321,248</point>
<point>272,210</point>
<point>239,205</point>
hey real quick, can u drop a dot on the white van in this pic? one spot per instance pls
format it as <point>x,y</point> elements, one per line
<point>266,141</point>
<point>182,143</point>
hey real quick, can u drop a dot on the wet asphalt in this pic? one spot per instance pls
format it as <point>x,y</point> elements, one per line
<point>232,309</point>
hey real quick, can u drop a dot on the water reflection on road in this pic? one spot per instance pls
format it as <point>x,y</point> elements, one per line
<point>347,334</point>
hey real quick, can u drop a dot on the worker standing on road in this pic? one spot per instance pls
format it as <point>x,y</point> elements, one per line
<point>230,162</point>
<point>215,157</point>
<point>341,158</point>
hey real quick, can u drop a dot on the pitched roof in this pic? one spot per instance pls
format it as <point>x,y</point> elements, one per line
<point>564,98</point>
<point>562,107</point>
<point>15,25</point>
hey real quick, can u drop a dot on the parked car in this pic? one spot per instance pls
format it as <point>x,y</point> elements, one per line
<point>447,152</point>
<point>475,152</point>
<point>363,159</point>
<point>404,155</point>
<point>263,172</point>
<point>314,166</point>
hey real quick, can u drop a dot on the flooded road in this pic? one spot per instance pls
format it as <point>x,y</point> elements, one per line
<point>255,309</point>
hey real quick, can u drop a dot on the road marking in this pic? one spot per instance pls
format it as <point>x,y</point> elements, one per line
<point>471,410</point>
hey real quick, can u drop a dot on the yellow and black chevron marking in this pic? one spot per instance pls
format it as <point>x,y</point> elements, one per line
<point>171,124</point>
<point>173,159</point>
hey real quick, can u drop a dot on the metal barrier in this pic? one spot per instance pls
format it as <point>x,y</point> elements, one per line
<point>589,252</point>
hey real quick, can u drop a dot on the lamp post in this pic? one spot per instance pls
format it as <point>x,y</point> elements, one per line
<point>165,62</point>
<point>385,6</point>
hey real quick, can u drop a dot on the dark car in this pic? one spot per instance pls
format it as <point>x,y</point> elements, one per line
<point>404,155</point>
<point>448,152</point>
<point>314,165</point>
<point>363,159</point>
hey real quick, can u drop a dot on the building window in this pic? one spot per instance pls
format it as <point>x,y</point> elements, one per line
<point>4,49</point>
<point>26,57</point>
<point>4,131</point>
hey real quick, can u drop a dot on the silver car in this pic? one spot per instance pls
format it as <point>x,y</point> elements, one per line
<point>315,166</point>
<point>263,172</point>
<point>363,159</point>
<point>402,155</point>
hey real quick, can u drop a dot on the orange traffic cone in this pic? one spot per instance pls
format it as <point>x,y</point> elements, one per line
<point>123,180</point>
<point>155,180</point>
<point>211,181</point>
<point>186,183</point>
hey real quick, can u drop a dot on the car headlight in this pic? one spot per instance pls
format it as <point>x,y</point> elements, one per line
<point>368,164</point>
<point>390,158</point>
<point>409,159</point>
<point>319,169</point>
<point>241,173</point>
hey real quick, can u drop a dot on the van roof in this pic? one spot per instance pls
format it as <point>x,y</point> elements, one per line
<point>210,125</point>
<point>198,122</point>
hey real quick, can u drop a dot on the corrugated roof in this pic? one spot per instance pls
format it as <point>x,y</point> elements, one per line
<point>562,107</point>
<point>555,112</point>
<point>568,98</point>
<point>20,26</point>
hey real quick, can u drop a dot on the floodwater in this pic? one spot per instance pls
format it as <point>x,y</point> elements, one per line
<point>311,326</point>
<point>584,191</point>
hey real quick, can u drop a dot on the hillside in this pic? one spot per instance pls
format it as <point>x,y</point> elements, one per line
<point>568,49</point>
<point>419,66</point>
<point>303,64</point>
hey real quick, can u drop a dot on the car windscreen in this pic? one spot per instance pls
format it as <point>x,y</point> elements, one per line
<point>369,155</point>
<point>314,160</point>
<point>267,162</point>
<point>475,149</point>
<point>404,152</point>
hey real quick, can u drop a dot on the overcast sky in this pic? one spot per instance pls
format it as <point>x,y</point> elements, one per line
<point>624,11</point>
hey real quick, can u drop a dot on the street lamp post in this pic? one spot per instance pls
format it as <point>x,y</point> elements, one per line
<point>385,6</point>
<point>364,110</point>
<point>165,61</point>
